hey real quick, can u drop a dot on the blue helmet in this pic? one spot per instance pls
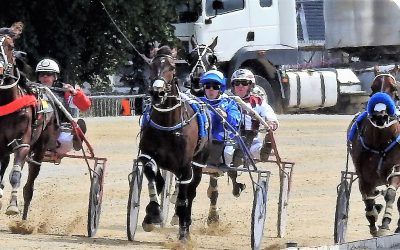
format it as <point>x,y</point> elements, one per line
<point>214,76</point>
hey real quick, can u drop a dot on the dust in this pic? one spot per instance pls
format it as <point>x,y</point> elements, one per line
<point>275,247</point>
<point>22,227</point>
<point>217,229</point>
<point>78,225</point>
<point>179,245</point>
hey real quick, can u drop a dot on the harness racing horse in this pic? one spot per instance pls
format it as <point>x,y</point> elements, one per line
<point>170,140</point>
<point>373,140</point>
<point>23,131</point>
<point>201,59</point>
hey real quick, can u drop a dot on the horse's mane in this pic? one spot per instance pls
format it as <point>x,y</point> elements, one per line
<point>164,50</point>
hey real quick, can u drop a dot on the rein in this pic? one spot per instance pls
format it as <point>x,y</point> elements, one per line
<point>4,87</point>
<point>148,120</point>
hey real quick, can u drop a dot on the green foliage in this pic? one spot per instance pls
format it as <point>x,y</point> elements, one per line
<point>82,38</point>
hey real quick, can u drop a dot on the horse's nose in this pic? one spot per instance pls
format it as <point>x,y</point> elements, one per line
<point>159,83</point>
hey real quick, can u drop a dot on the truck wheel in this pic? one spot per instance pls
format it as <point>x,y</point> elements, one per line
<point>266,90</point>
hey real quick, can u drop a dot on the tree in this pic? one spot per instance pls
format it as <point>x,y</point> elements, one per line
<point>82,38</point>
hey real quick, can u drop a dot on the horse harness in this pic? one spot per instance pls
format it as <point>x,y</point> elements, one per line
<point>381,152</point>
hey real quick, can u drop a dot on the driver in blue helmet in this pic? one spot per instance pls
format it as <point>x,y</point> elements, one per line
<point>214,84</point>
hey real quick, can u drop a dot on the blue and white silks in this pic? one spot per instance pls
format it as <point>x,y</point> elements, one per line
<point>233,117</point>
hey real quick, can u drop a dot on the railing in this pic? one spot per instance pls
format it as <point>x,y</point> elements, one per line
<point>110,105</point>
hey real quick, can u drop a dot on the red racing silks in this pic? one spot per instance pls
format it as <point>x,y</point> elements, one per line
<point>80,100</point>
<point>255,100</point>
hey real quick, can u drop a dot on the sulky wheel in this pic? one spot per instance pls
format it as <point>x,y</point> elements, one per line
<point>95,199</point>
<point>165,196</point>
<point>342,212</point>
<point>259,212</point>
<point>135,188</point>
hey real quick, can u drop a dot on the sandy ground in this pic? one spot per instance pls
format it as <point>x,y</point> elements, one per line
<point>58,215</point>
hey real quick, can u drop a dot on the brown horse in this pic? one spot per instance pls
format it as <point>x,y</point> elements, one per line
<point>385,83</point>
<point>170,140</point>
<point>23,131</point>
<point>373,145</point>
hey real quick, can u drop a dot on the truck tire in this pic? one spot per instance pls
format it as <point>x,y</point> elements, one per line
<point>268,93</point>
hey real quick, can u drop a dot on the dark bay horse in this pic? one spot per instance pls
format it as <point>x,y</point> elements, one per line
<point>23,131</point>
<point>170,140</point>
<point>373,143</point>
<point>201,59</point>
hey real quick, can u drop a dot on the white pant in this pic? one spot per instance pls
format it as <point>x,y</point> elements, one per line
<point>65,140</point>
<point>255,149</point>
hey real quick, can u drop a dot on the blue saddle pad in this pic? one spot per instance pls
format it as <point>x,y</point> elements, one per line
<point>355,124</point>
<point>202,119</point>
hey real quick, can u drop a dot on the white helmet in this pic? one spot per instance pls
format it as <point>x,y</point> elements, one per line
<point>243,75</point>
<point>48,65</point>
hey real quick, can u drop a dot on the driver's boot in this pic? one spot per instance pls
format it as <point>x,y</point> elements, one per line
<point>76,141</point>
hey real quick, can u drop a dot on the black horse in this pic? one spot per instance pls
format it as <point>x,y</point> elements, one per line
<point>201,59</point>
<point>170,140</point>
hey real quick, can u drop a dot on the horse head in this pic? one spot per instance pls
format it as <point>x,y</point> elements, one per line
<point>8,62</point>
<point>201,59</point>
<point>385,83</point>
<point>162,74</point>
<point>381,110</point>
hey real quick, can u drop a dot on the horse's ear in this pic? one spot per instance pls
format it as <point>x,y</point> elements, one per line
<point>193,42</point>
<point>214,43</point>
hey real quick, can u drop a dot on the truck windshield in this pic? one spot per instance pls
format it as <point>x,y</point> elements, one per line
<point>229,6</point>
<point>188,12</point>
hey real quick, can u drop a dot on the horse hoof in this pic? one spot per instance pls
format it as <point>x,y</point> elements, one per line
<point>373,231</point>
<point>238,189</point>
<point>148,227</point>
<point>12,210</point>
<point>184,235</point>
<point>153,213</point>
<point>174,220</point>
<point>213,217</point>
<point>384,232</point>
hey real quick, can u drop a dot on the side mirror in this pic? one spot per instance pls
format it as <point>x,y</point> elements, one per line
<point>217,5</point>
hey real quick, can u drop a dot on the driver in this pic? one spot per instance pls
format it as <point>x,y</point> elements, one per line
<point>47,73</point>
<point>214,84</point>
<point>242,82</point>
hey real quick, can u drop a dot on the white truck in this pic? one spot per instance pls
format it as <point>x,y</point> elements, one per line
<point>272,38</point>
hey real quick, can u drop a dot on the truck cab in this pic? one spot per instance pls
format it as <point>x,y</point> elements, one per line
<point>262,35</point>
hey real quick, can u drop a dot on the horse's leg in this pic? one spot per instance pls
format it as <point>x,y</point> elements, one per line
<point>182,203</point>
<point>153,211</point>
<point>184,232</point>
<point>15,178</point>
<point>212,193</point>
<point>34,169</point>
<point>371,213</point>
<point>372,210</point>
<point>390,197</point>
<point>174,196</point>
<point>3,166</point>
<point>237,160</point>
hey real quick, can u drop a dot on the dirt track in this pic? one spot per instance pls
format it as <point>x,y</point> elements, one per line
<point>59,208</point>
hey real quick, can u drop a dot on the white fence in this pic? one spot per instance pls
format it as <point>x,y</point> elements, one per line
<point>110,105</point>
